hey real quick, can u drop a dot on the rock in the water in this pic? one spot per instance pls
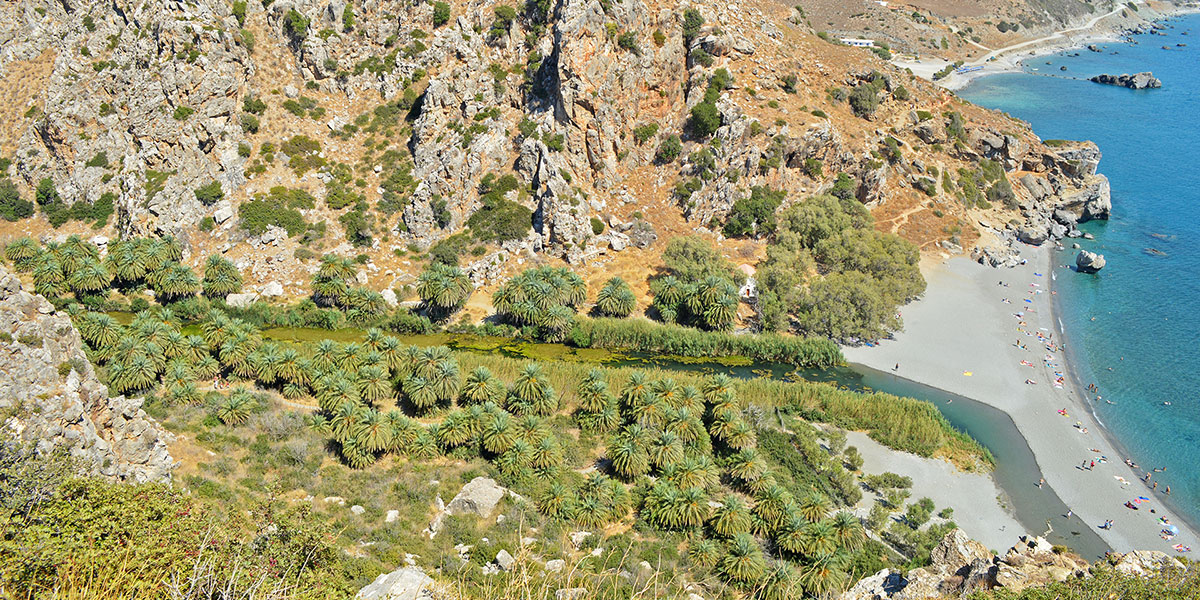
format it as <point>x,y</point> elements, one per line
<point>407,583</point>
<point>1138,81</point>
<point>1089,262</point>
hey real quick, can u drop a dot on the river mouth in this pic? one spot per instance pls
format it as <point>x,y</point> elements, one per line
<point>1016,472</point>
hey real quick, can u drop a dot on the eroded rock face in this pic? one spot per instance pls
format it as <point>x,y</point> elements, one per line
<point>111,437</point>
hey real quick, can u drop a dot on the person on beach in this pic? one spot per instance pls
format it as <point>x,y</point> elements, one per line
<point>1070,513</point>
<point>1168,492</point>
<point>1041,482</point>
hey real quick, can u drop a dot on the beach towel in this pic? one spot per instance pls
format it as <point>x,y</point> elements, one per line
<point>967,373</point>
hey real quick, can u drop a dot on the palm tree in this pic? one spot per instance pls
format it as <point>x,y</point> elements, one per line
<point>531,390</point>
<point>556,323</point>
<point>772,506</point>
<point>667,449</point>
<point>499,434</point>
<point>372,431</point>
<point>819,537</point>
<point>127,262</point>
<point>325,354</point>
<point>779,584</point>
<point>616,299</point>
<point>590,513</point>
<point>374,385</point>
<point>608,419</point>
<point>747,465</point>
<point>557,501</point>
<point>221,278</point>
<point>235,408</point>
<point>291,391</point>
<point>100,330</point>
<point>719,315</point>
<point>791,537</point>
<point>48,277</point>
<point>849,531</point>
<point>176,281</point>
<point>636,389</point>
<point>743,563</point>
<point>740,435</point>
<point>697,471</point>
<point>194,348</point>
<point>424,445</point>
<point>822,575</point>
<point>291,368</point>
<point>731,518</point>
<point>206,367</point>
<point>443,290</point>
<point>813,507</point>
<point>716,387</point>
<point>704,553</point>
<point>479,387</point>
<point>455,430</point>
<point>186,393</point>
<point>445,379</point>
<point>345,420</point>
<point>21,253</point>
<point>89,277</point>
<point>649,413</point>
<point>420,392</point>
<point>628,458</point>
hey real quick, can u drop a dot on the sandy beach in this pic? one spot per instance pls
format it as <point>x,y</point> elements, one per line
<point>1102,28</point>
<point>974,337</point>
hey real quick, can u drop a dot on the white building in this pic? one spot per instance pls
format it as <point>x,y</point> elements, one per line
<point>858,43</point>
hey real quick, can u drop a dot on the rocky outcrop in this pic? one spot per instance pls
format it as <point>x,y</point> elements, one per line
<point>53,396</point>
<point>1089,262</point>
<point>405,583</point>
<point>479,497</point>
<point>1137,81</point>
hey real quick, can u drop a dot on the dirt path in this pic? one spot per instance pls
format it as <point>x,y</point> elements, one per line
<point>1056,35</point>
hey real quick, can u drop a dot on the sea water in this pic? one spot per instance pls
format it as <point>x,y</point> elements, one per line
<point>1134,328</point>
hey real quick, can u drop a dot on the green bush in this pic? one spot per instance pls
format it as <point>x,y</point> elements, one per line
<point>239,12</point>
<point>692,22</point>
<point>754,215</point>
<point>12,206</point>
<point>209,194</point>
<point>597,226</point>
<point>277,208</point>
<point>99,160</point>
<point>645,132</point>
<point>182,112</point>
<point>705,119</point>
<point>249,123</point>
<point>441,14</point>
<point>669,149</point>
<point>499,219</point>
<point>295,25</point>
<point>864,100</point>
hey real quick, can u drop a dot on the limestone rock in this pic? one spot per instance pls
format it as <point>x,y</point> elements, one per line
<point>1146,562</point>
<point>1137,81</point>
<point>405,583</point>
<point>478,497</point>
<point>504,560</point>
<point>1089,262</point>
<point>240,300</point>
<point>111,437</point>
<point>570,594</point>
<point>555,565</point>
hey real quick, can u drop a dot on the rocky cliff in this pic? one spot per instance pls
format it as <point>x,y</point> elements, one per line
<point>959,566</point>
<point>391,116</point>
<point>49,393</point>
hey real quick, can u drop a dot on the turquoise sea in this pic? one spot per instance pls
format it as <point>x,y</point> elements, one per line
<point>1134,328</point>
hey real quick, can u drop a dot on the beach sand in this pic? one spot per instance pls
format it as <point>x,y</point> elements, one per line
<point>973,496</point>
<point>960,338</point>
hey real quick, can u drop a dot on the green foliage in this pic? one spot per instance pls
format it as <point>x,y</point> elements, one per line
<point>359,226</point>
<point>597,226</point>
<point>278,208</point>
<point>754,215</point>
<point>221,278</point>
<point>615,299</point>
<point>644,132</point>
<point>12,206</point>
<point>239,12</point>
<point>441,14</point>
<point>348,17</point>
<point>249,123</point>
<point>254,105</point>
<point>99,160</point>
<point>209,194</point>
<point>504,17</point>
<point>864,99</point>
<point>304,153</point>
<point>692,22</point>
<point>629,41</point>
<point>543,297</point>
<point>669,149</point>
<point>499,219</point>
<point>867,273</point>
<point>705,119</point>
<point>295,25</point>
<point>694,259</point>
<point>182,112</point>
<point>443,290</point>
<point>900,93</point>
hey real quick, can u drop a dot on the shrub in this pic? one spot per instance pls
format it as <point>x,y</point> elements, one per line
<point>499,219</point>
<point>692,22</point>
<point>182,112</point>
<point>660,38</point>
<point>277,208</point>
<point>669,149</point>
<point>628,41</point>
<point>555,143</point>
<point>239,12</point>
<point>12,206</point>
<point>303,153</point>
<point>864,99</point>
<point>441,14</point>
<point>597,226</point>
<point>645,132</point>
<point>209,194</point>
<point>295,25</point>
<point>99,160</point>
<point>249,122</point>
<point>754,215</point>
<point>900,93</point>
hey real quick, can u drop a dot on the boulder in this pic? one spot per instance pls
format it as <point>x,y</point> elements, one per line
<point>406,583</point>
<point>1034,236</point>
<point>556,565</point>
<point>883,584</point>
<point>240,300</point>
<point>504,560</point>
<point>957,550</point>
<point>570,594</point>
<point>273,289</point>
<point>1089,262</point>
<point>479,497</point>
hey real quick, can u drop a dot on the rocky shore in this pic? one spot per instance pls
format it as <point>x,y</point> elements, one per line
<point>1137,81</point>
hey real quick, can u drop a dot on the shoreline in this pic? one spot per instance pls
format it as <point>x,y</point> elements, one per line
<point>1005,61</point>
<point>971,358</point>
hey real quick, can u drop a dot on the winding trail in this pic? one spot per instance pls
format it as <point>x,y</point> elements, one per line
<point>1054,36</point>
